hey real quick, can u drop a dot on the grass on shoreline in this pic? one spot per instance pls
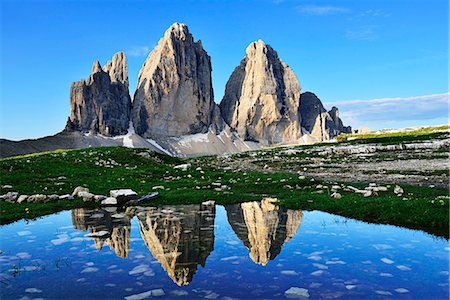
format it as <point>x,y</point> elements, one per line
<point>104,169</point>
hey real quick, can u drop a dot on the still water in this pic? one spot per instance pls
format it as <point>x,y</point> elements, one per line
<point>249,250</point>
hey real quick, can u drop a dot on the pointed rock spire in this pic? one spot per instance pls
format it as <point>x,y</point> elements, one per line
<point>102,104</point>
<point>262,97</point>
<point>175,94</point>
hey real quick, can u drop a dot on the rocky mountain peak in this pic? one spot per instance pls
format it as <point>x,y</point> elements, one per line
<point>175,95</point>
<point>262,97</point>
<point>96,67</point>
<point>320,123</point>
<point>102,104</point>
<point>117,68</point>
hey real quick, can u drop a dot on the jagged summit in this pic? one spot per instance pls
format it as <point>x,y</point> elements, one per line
<point>262,97</point>
<point>173,108</point>
<point>175,95</point>
<point>102,104</point>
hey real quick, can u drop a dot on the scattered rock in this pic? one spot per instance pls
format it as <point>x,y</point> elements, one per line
<point>183,167</point>
<point>53,197</point>
<point>66,197</point>
<point>398,190</point>
<point>38,198</point>
<point>86,196</point>
<point>22,198</point>
<point>99,197</point>
<point>123,195</point>
<point>110,201</point>
<point>336,195</point>
<point>79,189</point>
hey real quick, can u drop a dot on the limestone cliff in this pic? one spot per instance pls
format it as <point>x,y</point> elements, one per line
<point>262,97</point>
<point>102,104</point>
<point>320,123</point>
<point>175,96</point>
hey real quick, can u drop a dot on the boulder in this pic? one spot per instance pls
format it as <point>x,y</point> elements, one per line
<point>38,198</point>
<point>79,189</point>
<point>66,197</point>
<point>87,197</point>
<point>11,197</point>
<point>110,201</point>
<point>22,198</point>
<point>123,195</point>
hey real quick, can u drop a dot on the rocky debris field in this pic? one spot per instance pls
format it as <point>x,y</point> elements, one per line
<point>423,163</point>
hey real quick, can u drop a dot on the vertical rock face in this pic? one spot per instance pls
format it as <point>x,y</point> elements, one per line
<point>262,97</point>
<point>102,104</point>
<point>263,227</point>
<point>179,237</point>
<point>320,123</point>
<point>174,94</point>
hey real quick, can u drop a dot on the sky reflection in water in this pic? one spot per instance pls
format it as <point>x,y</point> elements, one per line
<point>249,250</point>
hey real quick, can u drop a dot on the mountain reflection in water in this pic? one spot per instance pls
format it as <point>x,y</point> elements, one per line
<point>181,237</point>
<point>263,227</point>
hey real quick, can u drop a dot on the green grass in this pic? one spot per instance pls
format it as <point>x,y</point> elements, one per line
<point>104,169</point>
<point>424,133</point>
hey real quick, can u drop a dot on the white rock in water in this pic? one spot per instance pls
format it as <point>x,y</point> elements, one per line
<point>183,167</point>
<point>296,292</point>
<point>109,201</point>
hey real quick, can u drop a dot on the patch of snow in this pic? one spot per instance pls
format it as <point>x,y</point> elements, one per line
<point>186,140</point>
<point>158,146</point>
<point>127,141</point>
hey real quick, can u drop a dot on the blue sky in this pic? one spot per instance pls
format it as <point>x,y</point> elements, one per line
<point>340,50</point>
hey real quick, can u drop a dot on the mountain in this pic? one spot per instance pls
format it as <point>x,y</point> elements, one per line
<point>102,103</point>
<point>173,109</point>
<point>175,95</point>
<point>262,97</point>
<point>321,124</point>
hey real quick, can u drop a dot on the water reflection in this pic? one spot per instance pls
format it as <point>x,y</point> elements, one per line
<point>106,226</point>
<point>263,227</point>
<point>180,237</point>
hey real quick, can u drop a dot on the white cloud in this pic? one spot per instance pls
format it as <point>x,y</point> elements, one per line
<point>321,10</point>
<point>138,51</point>
<point>395,112</point>
<point>366,33</point>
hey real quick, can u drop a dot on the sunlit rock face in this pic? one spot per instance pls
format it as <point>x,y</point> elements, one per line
<point>262,97</point>
<point>102,103</point>
<point>180,237</point>
<point>113,226</point>
<point>174,95</point>
<point>263,227</point>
